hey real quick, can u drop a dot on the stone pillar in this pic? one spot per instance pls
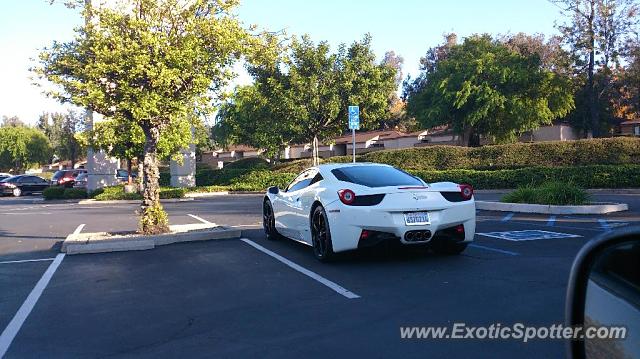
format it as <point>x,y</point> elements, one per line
<point>184,174</point>
<point>101,168</point>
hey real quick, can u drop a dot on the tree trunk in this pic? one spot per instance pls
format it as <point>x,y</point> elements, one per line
<point>129,166</point>
<point>153,218</point>
<point>591,91</point>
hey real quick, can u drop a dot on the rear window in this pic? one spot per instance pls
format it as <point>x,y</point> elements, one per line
<point>58,175</point>
<point>375,176</point>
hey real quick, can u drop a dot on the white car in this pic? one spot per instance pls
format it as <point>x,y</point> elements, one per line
<point>341,207</point>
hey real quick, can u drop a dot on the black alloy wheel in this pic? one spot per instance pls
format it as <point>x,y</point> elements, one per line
<point>269,221</point>
<point>321,235</point>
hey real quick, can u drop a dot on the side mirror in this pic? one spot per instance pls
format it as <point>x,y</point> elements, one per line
<point>603,297</point>
<point>273,190</point>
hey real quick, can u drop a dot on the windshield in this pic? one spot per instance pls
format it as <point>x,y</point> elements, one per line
<point>376,176</point>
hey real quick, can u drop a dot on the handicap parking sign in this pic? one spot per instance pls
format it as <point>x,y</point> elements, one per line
<point>528,235</point>
<point>354,117</point>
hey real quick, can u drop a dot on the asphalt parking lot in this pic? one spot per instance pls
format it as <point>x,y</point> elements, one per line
<point>227,298</point>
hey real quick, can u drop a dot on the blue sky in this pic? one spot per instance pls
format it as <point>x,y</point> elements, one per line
<point>408,27</point>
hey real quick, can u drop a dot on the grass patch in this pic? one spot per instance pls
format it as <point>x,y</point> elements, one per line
<point>59,192</point>
<point>549,193</point>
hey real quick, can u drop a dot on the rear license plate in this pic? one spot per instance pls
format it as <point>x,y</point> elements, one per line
<point>416,218</point>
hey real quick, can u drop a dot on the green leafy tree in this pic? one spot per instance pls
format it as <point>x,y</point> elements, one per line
<point>253,119</point>
<point>148,66</point>
<point>22,147</point>
<point>61,130</point>
<point>595,33</point>
<point>481,87</point>
<point>304,95</point>
<point>12,121</point>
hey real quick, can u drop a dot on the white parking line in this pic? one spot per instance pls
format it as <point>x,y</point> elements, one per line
<point>14,326</point>
<point>507,217</point>
<point>552,221</point>
<point>28,260</point>
<point>337,288</point>
<point>493,249</point>
<point>200,219</point>
<point>604,225</point>
<point>12,329</point>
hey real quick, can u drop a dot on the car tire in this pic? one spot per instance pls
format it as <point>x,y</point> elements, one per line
<point>17,192</point>
<point>269,221</point>
<point>321,235</point>
<point>448,247</point>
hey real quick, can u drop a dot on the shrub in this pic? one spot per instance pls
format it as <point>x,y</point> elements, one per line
<point>605,151</point>
<point>550,193</point>
<point>251,163</point>
<point>154,220</point>
<point>115,193</point>
<point>75,193</point>
<point>172,192</point>
<point>599,176</point>
<point>165,179</point>
<point>209,189</point>
<point>56,192</point>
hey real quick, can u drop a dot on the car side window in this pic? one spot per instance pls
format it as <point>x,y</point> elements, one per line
<point>302,181</point>
<point>24,180</point>
<point>316,179</point>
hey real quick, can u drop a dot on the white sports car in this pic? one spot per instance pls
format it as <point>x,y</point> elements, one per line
<point>340,207</point>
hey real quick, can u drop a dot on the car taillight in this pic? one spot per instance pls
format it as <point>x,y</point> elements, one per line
<point>466,190</point>
<point>347,196</point>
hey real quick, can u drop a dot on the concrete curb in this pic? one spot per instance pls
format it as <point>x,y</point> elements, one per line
<point>126,201</point>
<point>206,194</point>
<point>102,242</point>
<point>600,208</point>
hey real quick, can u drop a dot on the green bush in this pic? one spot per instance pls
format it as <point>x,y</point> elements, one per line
<point>605,151</point>
<point>173,192</point>
<point>117,193</point>
<point>56,192</point>
<point>114,193</point>
<point>598,176</point>
<point>75,193</point>
<point>251,163</point>
<point>209,189</point>
<point>165,179</point>
<point>549,193</point>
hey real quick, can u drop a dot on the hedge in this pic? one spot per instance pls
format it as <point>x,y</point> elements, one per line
<point>117,193</point>
<point>605,151</point>
<point>59,192</point>
<point>598,176</point>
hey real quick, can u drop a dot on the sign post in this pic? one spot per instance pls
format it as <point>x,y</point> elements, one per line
<point>354,124</point>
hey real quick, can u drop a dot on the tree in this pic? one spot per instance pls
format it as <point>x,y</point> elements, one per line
<point>304,95</point>
<point>481,87</point>
<point>126,140</point>
<point>61,132</point>
<point>148,66</point>
<point>12,121</point>
<point>595,34</point>
<point>22,147</point>
<point>251,118</point>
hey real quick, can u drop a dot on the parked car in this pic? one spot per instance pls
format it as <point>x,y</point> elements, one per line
<point>123,175</point>
<point>66,178</point>
<point>23,184</point>
<point>340,207</point>
<point>81,180</point>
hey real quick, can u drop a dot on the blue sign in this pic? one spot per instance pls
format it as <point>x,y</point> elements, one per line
<point>528,235</point>
<point>354,117</point>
